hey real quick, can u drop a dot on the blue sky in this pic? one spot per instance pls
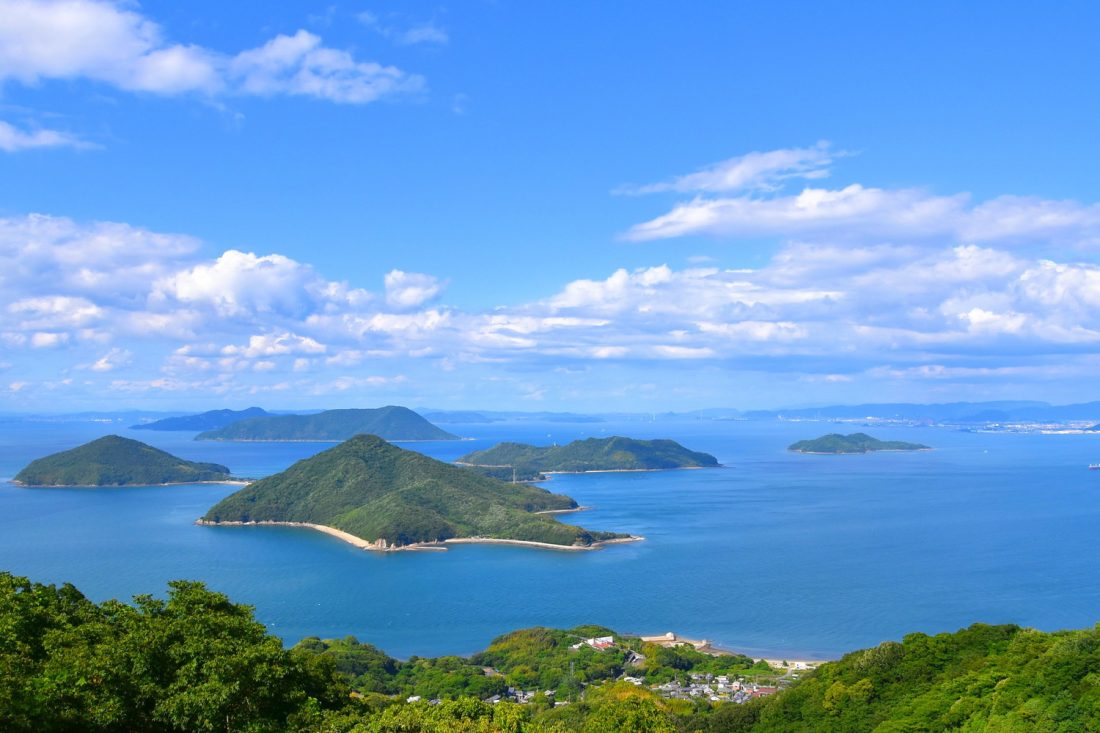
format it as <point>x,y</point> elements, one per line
<point>500,205</point>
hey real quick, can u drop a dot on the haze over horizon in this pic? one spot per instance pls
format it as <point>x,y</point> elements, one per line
<point>546,208</point>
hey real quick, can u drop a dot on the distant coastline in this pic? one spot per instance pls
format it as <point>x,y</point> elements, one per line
<point>227,482</point>
<point>383,546</point>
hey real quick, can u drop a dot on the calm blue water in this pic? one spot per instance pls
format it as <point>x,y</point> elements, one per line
<point>778,552</point>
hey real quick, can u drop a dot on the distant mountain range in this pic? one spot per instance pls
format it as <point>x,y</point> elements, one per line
<point>117,461</point>
<point>390,423</point>
<point>211,420</point>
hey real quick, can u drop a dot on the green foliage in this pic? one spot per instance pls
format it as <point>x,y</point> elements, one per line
<point>593,454</point>
<point>983,678</point>
<point>193,662</point>
<point>391,423</point>
<point>854,443</point>
<point>197,662</point>
<point>116,461</point>
<point>375,490</point>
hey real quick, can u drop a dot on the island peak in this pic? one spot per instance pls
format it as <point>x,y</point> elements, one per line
<point>116,461</point>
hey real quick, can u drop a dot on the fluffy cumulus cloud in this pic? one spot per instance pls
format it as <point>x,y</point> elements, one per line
<point>113,43</point>
<point>116,308</point>
<point>748,197</point>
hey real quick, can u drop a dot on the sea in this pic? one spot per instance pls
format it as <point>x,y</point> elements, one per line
<point>773,554</point>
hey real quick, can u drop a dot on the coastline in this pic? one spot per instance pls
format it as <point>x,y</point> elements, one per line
<point>325,440</point>
<point>383,546</point>
<point>227,482</point>
<point>564,511</point>
<point>859,452</point>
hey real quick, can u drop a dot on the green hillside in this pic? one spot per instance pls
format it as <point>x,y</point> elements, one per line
<point>390,423</point>
<point>593,454</point>
<point>854,443</point>
<point>117,461</point>
<point>375,490</point>
<point>196,661</point>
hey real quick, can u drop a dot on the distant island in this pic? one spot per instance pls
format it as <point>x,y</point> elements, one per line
<point>211,420</point>
<point>117,461</point>
<point>594,454</point>
<point>854,443</point>
<point>389,423</point>
<point>378,496</point>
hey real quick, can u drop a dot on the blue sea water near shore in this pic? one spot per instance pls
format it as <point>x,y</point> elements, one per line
<point>780,553</point>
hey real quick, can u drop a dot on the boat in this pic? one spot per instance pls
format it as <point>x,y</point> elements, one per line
<point>1094,466</point>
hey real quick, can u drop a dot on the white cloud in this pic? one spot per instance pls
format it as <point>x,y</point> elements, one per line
<point>854,212</point>
<point>113,359</point>
<point>13,140</point>
<point>246,321</point>
<point>112,43</point>
<point>48,339</point>
<point>406,290</point>
<point>300,65</point>
<point>753,171</point>
<point>275,345</point>
<point>418,33</point>
<point>244,284</point>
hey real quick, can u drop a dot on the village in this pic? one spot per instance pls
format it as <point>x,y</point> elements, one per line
<point>692,686</point>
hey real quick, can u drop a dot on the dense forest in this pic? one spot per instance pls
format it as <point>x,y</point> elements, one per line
<point>854,443</point>
<point>116,461</point>
<point>592,454</point>
<point>375,490</point>
<point>195,661</point>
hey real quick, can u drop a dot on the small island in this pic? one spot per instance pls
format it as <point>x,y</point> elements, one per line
<point>380,497</point>
<point>117,461</point>
<point>389,423</point>
<point>835,443</point>
<point>211,420</point>
<point>529,462</point>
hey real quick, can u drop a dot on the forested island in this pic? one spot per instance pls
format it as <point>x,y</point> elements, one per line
<point>197,661</point>
<point>593,454</point>
<point>835,443</point>
<point>117,461</point>
<point>211,420</point>
<point>379,496</point>
<point>390,423</point>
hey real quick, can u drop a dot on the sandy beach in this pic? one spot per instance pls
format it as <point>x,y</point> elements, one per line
<point>383,546</point>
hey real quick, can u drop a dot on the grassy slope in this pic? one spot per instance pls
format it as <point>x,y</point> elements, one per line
<point>391,423</point>
<point>374,490</point>
<point>116,461</point>
<point>854,443</point>
<point>593,454</point>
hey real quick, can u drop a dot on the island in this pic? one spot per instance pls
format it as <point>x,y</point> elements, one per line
<point>211,420</point>
<point>835,443</point>
<point>528,462</point>
<point>377,496</point>
<point>389,423</point>
<point>117,461</point>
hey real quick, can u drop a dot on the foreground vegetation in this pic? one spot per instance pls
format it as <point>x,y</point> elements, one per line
<point>117,461</point>
<point>197,662</point>
<point>375,490</point>
<point>593,454</point>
